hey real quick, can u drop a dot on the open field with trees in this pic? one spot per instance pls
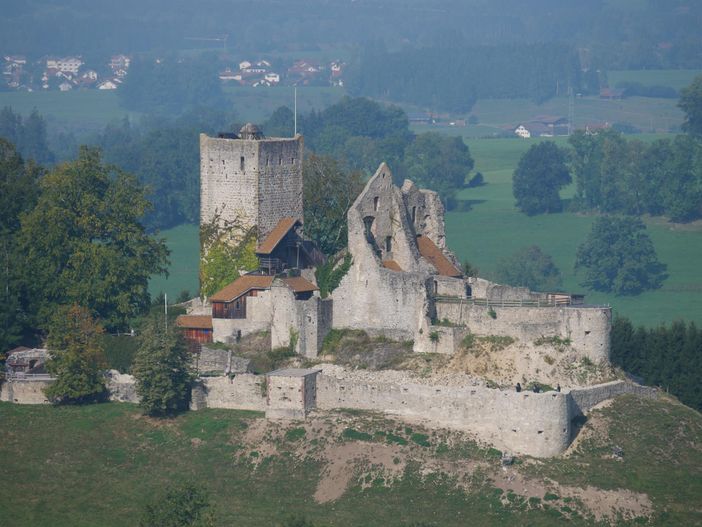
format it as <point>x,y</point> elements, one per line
<point>102,464</point>
<point>676,79</point>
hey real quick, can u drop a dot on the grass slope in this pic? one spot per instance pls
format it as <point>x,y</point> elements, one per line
<point>183,242</point>
<point>100,464</point>
<point>676,79</point>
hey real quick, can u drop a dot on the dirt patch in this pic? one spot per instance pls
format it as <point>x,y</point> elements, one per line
<point>343,462</point>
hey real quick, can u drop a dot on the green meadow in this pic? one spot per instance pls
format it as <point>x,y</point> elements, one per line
<point>676,79</point>
<point>492,228</point>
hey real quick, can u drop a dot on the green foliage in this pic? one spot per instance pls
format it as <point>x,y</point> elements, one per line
<point>666,356</point>
<point>438,162</point>
<point>420,439</point>
<point>162,369</point>
<point>468,341</point>
<point>409,75</point>
<point>180,506</point>
<point>329,192</point>
<point>169,85</point>
<point>691,104</point>
<point>18,194</point>
<point>354,435</point>
<point>492,313</point>
<point>86,243</point>
<point>529,267</point>
<point>226,247</point>
<point>539,177</point>
<point>294,434</point>
<point>618,256</point>
<point>614,175</point>
<point>434,336</point>
<point>76,357</point>
<point>28,134</point>
<point>330,274</point>
<point>120,351</point>
<point>560,343</point>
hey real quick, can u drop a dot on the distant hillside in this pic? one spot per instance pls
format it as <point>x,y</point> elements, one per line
<point>100,464</point>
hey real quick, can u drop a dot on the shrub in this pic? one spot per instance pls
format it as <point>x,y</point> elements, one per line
<point>355,435</point>
<point>420,439</point>
<point>434,336</point>
<point>492,314</point>
<point>295,434</point>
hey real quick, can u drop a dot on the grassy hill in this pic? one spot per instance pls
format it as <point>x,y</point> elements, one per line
<point>100,464</point>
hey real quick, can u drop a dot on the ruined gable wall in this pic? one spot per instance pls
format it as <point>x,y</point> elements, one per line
<point>242,392</point>
<point>280,185</point>
<point>587,327</point>
<point>224,187</point>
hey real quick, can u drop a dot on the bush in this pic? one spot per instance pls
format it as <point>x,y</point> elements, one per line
<point>330,274</point>
<point>181,506</point>
<point>355,435</point>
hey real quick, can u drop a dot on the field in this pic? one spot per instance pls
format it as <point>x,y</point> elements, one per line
<point>78,109</point>
<point>101,464</point>
<point>497,116</point>
<point>676,79</point>
<point>493,229</point>
<point>183,242</point>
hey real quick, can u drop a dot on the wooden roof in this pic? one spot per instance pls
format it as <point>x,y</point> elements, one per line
<point>276,235</point>
<point>433,254</point>
<point>194,321</point>
<point>240,286</point>
<point>300,285</point>
<point>392,265</point>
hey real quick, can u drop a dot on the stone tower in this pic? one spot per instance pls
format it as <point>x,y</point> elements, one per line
<point>251,178</point>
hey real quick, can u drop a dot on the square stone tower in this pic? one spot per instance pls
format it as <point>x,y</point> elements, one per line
<point>251,178</point>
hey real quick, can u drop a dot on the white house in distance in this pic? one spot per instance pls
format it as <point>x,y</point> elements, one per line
<point>107,85</point>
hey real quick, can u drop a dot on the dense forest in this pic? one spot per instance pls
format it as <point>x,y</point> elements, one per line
<point>616,34</point>
<point>453,78</point>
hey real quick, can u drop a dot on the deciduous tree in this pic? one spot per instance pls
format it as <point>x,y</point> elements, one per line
<point>539,177</point>
<point>86,244</point>
<point>691,103</point>
<point>76,357</point>
<point>529,267</point>
<point>618,256</point>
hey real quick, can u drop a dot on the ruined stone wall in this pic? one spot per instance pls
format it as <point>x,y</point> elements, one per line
<point>242,392</point>
<point>284,316</point>
<point>583,400</point>
<point>588,328</point>
<point>122,387</point>
<point>285,397</point>
<point>524,423</point>
<point>24,392</point>
<point>279,182</point>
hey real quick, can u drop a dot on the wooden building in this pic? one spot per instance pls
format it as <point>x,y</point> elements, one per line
<point>196,328</point>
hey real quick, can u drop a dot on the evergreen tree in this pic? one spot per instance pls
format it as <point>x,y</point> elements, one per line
<point>76,357</point>
<point>162,369</point>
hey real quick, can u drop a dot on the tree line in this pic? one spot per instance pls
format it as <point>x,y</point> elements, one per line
<point>665,356</point>
<point>454,77</point>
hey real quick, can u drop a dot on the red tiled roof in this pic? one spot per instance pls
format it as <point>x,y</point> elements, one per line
<point>433,254</point>
<point>194,321</point>
<point>392,265</point>
<point>276,235</point>
<point>300,285</point>
<point>240,286</point>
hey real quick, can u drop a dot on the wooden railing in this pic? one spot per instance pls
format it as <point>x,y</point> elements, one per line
<point>539,302</point>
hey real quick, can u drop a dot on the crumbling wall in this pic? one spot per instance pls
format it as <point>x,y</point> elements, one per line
<point>587,328</point>
<point>24,391</point>
<point>284,315</point>
<point>583,400</point>
<point>285,397</point>
<point>244,391</point>
<point>122,387</point>
<point>525,423</point>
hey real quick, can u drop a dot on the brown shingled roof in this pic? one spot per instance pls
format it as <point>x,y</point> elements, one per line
<point>194,321</point>
<point>276,235</point>
<point>392,265</point>
<point>433,254</point>
<point>240,286</point>
<point>300,285</point>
